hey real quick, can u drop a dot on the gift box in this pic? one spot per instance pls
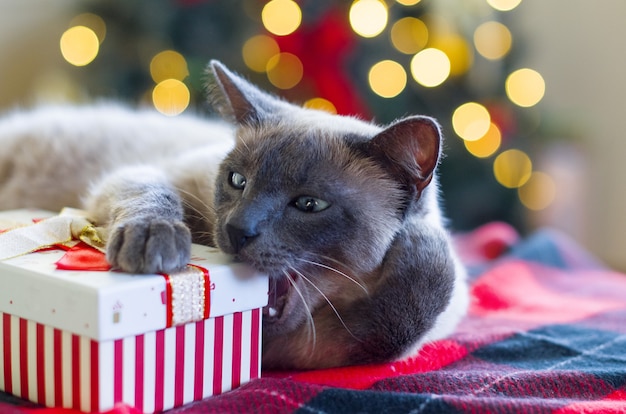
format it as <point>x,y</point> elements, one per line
<point>88,340</point>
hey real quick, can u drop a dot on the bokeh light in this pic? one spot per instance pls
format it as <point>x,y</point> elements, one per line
<point>538,192</point>
<point>492,40</point>
<point>170,97</point>
<point>408,2</point>
<point>512,168</point>
<point>368,18</point>
<point>321,104</point>
<point>168,64</point>
<point>430,67</point>
<point>457,49</point>
<point>409,35</point>
<point>471,121</point>
<point>387,78</point>
<point>258,50</point>
<point>281,17</point>
<point>92,21</point>
<point>284,70</point>
<point>79,45</point>
<point>504,5</point>
<point>487,145</point>
<point>525,87</point>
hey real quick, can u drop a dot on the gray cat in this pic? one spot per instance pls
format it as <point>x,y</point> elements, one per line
<point>342,214</point>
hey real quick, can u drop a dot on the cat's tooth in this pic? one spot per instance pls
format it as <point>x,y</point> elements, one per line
<point>272,311</point>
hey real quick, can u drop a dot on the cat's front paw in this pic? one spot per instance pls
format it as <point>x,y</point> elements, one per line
<point>149,245</point>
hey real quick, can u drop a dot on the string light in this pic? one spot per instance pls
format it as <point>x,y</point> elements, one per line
<point>525,87</point>
<point>538,192</point>
<point>92,21</point>
<point>258,50</point>
<point>492,40</point>
<point>409,35</point>
<point>458,51</point>
<point>408,2</point>
<point>79,45</point>
<point>284,70</point>
<point>512,168</point>
<point>504,5</point>
<point>487,145</point>
<point>368,18</point>
<point>321,104</point>
<point>168,64</point>
<point>281,17</point>
<point>170,97</point>
<point>387,78</point>
<point>471,121</point>
<point>430,67</point>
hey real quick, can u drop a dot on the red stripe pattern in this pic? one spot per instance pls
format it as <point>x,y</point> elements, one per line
<point>149,371</point>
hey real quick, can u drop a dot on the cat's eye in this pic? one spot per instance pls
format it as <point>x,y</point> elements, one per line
<point>310,204</point>
<point>237,180</point>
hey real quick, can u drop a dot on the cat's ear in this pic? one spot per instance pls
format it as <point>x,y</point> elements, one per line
<point>409,149</point>
<point>237,99</point>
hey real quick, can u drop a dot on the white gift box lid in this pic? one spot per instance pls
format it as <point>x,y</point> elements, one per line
<point>110,305</point>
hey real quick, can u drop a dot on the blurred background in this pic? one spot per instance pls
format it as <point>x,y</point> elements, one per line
<point>530,93</point>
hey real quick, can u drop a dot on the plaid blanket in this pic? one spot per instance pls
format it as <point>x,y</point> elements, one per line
<point>546,333</point>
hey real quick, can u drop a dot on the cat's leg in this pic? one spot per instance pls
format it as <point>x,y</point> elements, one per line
<point>418,281</point>
<point>143,216</point>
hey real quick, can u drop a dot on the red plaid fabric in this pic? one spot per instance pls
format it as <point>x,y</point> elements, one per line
<point>546,333</point>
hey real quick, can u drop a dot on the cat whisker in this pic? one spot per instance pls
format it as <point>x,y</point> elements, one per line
<point>339,272</point>
<point>309,281</point>
<point>200,201</point>
<point>311,322</point>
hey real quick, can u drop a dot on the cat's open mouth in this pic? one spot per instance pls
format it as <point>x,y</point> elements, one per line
<point>280,288</point>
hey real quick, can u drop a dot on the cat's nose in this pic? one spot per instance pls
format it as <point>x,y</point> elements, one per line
<point>239,237</point>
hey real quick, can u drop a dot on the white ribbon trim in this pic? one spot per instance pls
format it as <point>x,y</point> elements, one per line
<point>70,224</point>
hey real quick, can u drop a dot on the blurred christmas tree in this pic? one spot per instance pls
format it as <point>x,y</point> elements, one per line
<point>452,59</point>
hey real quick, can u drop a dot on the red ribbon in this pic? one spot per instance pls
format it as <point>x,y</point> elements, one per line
<point>83,257</point>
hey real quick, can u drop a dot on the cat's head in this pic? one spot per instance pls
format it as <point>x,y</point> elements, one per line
<point>314,199</point>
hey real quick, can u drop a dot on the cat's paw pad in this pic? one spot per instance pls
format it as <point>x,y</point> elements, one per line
<point>149,246</point>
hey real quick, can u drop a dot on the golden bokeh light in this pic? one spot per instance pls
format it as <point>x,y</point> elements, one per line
<point>170,97</point>
<point>409,35</point>
<point>408,2</point>
<point>387,78</point>
<point>471,121</point>
<point>492,40</point>
<point>538,192</point>
<point>284,70</point>
<point>512,168</point>
<point>281,17</point>
<point>458,51</point>
<point>504,5</point>
<point>430,67</point>
<point>368,18</point>
<point>92,21</point>
<point>487,145</point>
<point>525,87</point>
<point>258,50</point>
<point>168,64</point>
<point>321,104</point>
<point>79,45</point>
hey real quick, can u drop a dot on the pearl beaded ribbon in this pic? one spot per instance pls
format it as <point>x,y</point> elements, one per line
<point>187,291</point>
<point>188,295</point>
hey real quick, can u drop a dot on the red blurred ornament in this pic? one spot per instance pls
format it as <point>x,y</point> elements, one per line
<point>323,48</point>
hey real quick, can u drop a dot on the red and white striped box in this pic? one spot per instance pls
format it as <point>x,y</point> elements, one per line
<point>89,340</point>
